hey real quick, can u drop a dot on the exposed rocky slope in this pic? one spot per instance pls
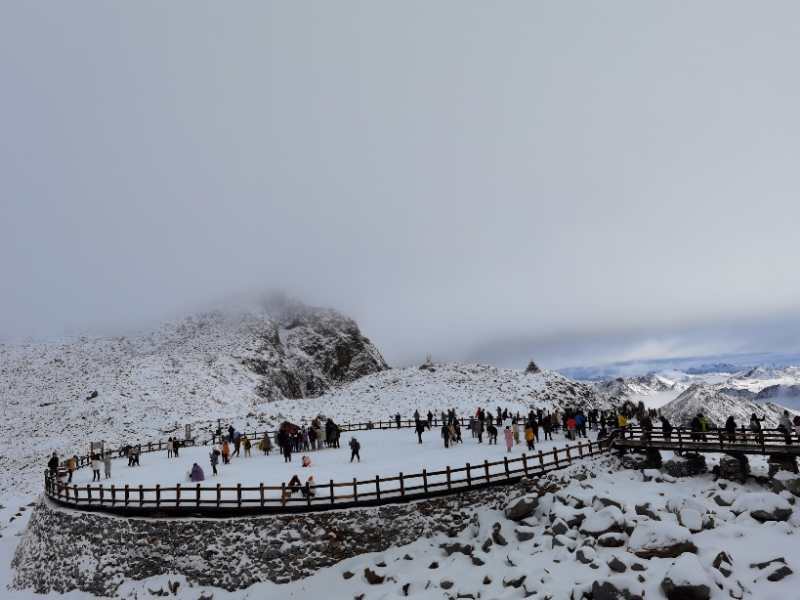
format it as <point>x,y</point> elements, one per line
<point>717,406</point>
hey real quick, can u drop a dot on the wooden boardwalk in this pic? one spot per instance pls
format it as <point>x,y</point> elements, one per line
<point>767,442</point>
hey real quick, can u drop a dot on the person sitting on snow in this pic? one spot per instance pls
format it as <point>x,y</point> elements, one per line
<point>196,474</point>
<point>306,461</point>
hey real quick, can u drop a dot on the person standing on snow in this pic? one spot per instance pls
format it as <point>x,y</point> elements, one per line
<point>355,447</point>
<point>107,464</point>
<point>420,428</point>
<point>509,435</point>
<point>214,459</point>
<point>95,467</point>
<point>446,436</point>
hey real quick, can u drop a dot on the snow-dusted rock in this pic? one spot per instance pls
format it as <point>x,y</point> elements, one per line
<point>521,508</point>
<point>691,519</point>
<point>687,580</point>
<point>763,506</point>
<point>660,539</point>
<point>609,519</point>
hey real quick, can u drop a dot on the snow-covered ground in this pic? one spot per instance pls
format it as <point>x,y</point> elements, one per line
<point>383,452</point>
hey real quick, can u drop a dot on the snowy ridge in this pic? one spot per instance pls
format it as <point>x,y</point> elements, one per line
<point>717,406</point>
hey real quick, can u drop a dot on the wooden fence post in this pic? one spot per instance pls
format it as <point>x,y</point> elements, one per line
<point>239,494</point>
<point>505,465</point>
<point>525,464</point>
<point>378,488</point>
<point>355,490</point>
<point>127,494</point>
<point>113,495</point>
<point>448,478</point>
<point>402,485</point>
<point>333,500</point>
<point>580,449</point>
<point>158,495</point>
<point>541,460</point>
<point>101,494</point>
<point>219,494</point>
<point>198,494</point>
<point>141,495</point>
<point>425,480</point>
<point>261,493</point>
<point>469,476</point>
<point>486,470</point>
<point>555,456</point>
<point>177,494</point>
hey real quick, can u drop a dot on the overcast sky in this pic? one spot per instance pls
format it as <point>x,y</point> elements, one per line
<point>571,181</point>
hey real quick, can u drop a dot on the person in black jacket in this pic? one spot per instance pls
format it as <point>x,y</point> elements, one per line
<point>446,435</point>
<point>666,428</point>
<point>355,446</point>
<point>52,464</point>
<point>419,429</point>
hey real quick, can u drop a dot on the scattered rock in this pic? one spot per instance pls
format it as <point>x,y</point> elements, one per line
<point>372,577</point>
<point>450,549</point>
<point>616,565</point>
<point>522,508</point>
<point>660,539</point>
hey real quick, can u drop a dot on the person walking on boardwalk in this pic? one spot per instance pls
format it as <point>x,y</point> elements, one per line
<point>419,429</point>
<point>397,420</point>
<point>213,457</point>
<point>446,435</point>
<point>509,435</point>
<point>666,428</point>
<point>95,467</point>
<point>355,447</point>
<point>107,464</point>
<point>730,428</point>
<point>785,425</point>
<point>52,464</point>
<point>72,465</point>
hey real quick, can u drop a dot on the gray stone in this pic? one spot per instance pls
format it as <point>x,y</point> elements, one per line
<point>684,592</point>
<point>522,508</point>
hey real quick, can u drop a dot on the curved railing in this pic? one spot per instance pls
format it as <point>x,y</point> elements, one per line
<point>222,501</point>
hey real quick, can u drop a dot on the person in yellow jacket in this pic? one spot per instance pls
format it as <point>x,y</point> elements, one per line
<point>529,436</point>
<point>622,420</point>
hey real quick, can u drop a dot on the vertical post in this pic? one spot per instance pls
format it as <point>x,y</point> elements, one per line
<point>239,494</point>
<point>378,488</point>
<point>158,495</point>
<point>505,465</point>
<point>448,477</point>
<point>197,497</point>
<point>402,485</point>
<point>113,495</point>
<point>469,476</point>
<point>149,446</point>
<point>580,449</point>
<point>680,441</point>
<point>159,445</point>
<point>486,470</point>
<point>177,494</point>
<point>101,493</point>
<point>569,456</point>
<point>219,494</point>
<point>261,493</point>
<point>541,460</point>
<point>425,480</point>
<point>333,499</point>
<point>525,464</point>
<point>591,452</point>
<point>555,456</point>
<point>355,490</point>
<point>127,494</point>
<point>141,495</point>
<point>89,493</point>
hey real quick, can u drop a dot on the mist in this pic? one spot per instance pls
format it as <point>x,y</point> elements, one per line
<point>570,183</point>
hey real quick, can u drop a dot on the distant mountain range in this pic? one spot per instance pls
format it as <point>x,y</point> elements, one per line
<point>691,365</point>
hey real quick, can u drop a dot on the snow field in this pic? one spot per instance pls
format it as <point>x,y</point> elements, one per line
<point>385,453</point>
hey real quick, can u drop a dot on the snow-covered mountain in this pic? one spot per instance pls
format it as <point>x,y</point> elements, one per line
<point>717,406</point>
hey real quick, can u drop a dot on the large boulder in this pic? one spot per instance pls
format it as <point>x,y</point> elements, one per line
<point>687,580</point>
<point>686,466</point>
<point>521,508</point>
<point>763,506</point>
<point>608,520</point>
<point>660,539</point>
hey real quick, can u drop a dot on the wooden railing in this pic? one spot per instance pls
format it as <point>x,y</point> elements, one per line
<point>199,499</point>
<point>766,441</point>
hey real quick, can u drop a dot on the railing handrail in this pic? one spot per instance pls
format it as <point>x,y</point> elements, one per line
<point>193,497</point>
